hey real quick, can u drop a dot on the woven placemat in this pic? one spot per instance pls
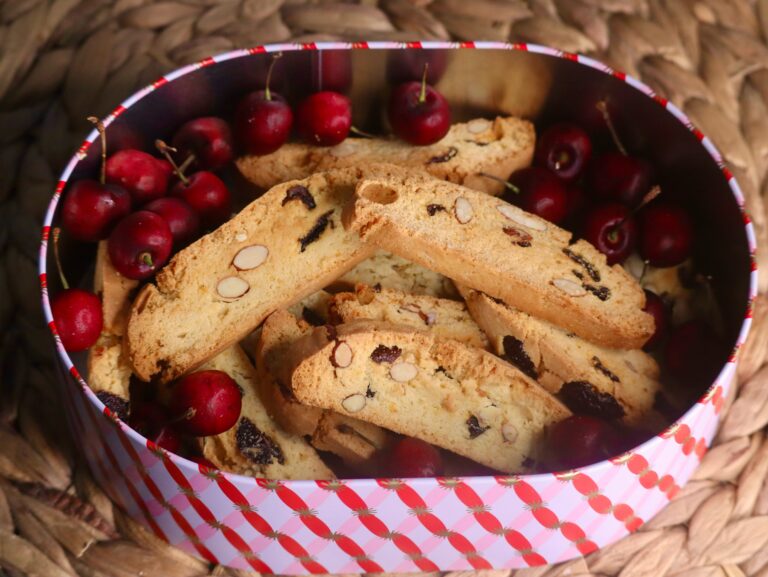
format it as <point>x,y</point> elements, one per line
<point>61,60</point>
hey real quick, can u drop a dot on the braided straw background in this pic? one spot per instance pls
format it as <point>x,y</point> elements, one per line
<point>61,60</point>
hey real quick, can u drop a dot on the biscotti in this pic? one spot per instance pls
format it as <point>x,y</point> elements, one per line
<point>356,442</point>
<point>492,246</point>
<point>280,248</point>
<point>446,319</point>
<point>494,147</point>
<point>606,383</point>
<point>457,397</point>
<point>109,374</point>
<point>255,446</point>
<point>391,271</point>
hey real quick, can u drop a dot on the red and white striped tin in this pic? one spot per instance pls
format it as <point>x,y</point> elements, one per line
<point>393,525</point>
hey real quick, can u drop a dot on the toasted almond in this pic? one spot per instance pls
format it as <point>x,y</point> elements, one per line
<point>353,403</point>
<point>403,371</point>
<point>232,287</point>
<point>463,210</point>
<point>478,125</point>
<point>341,150</point>
<point>569,287</point>
<point>515,215</point>
<point>250,257</point>
<point>509,432</point>
<point>241,237</point>
<point>341,356</point>
<point>431,318</point>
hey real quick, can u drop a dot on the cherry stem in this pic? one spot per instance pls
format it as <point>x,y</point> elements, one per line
<point>57,257</point>
<point>275,58</point>
<point>103,134</point>
<point>423,93</point>
<point>188,162</point>
<point>508,185</point>
<point>649,196</point>
<point>166,150</point>
<point>146,258</point>
<point>358,132</point>
<point>602,106</point>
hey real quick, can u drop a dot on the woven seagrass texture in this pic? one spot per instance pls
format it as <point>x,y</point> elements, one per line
<point>61,60</point>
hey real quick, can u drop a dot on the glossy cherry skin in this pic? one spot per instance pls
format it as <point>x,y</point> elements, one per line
<point>262,126</point>
<point>205,403</point>
<point>207,195</point>
<point>579,440</point>
<point>693,354</point>
<point>655,307</point>
<point>419,122</point>
<point>666,234</point>
<point>612,230</point>
<point>324,118</point>
<point>540,193</point>
<point>152,421</point>
<point>564,149</point>
<point>92,209</point>
<point>141,174</point>
<point>140,245</point>
<point>614,176</point>
<point>183,221</point>
<point>411,457</point>
<point>78,318</point>
<point>209,138</point>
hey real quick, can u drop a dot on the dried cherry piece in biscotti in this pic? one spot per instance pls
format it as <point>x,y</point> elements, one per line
<point>316,231</point>
<point>385,354</point>
<point>118,405</point>
<point>514,352</point>
<point>257,445</point>
<point>475,428</point>
<point>583,398</point>
<point>301,193</point>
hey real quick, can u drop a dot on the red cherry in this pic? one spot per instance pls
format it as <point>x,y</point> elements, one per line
<point>565,150</point>
<point>140,244</point>
<point>612,230</point>
<point>91,209</point>
<point>139,173</point>
<point>324,118</point>
<point>208,138</point>
<point>166,167</point>
<point>207,195</point>
<point>78,318</point>
<point>151,421</point>
<point>205,403</point>
<point>694,354</point>
<point>328,70</point>
<point>202,461</point>
<point>579,440</point>
<point>263,122</point>
<point>620,178</point>
<point>655,307</point>
<point>181,218</point>
<point>576,202</point>
<point>411,457</point>
<point>666,234</point>
<point>540,193</point>
<point>418,113</point>
<point>408,65</point>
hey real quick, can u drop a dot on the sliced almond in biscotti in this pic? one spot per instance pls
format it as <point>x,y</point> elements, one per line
<point>503,251</point>
<point>217,290</point>
<point>354,441</point>
<point>461,398</point>
<point>256,446</point>
<point>388,270</point>
<point>109,374</point>
<point>495,147</point>
<point>444,318</point>
<point>605,383</point>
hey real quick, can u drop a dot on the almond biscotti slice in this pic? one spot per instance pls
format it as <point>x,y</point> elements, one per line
<point>391,271</point>
<point>490,245</point>
<point>446,319</point>
<point>282,247</point>
<point>255,446</point>
<point>606,383</point>
<point>109,374</point>
<point>496,147</point>
<point>460,398</point>
<point>356,442</point>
